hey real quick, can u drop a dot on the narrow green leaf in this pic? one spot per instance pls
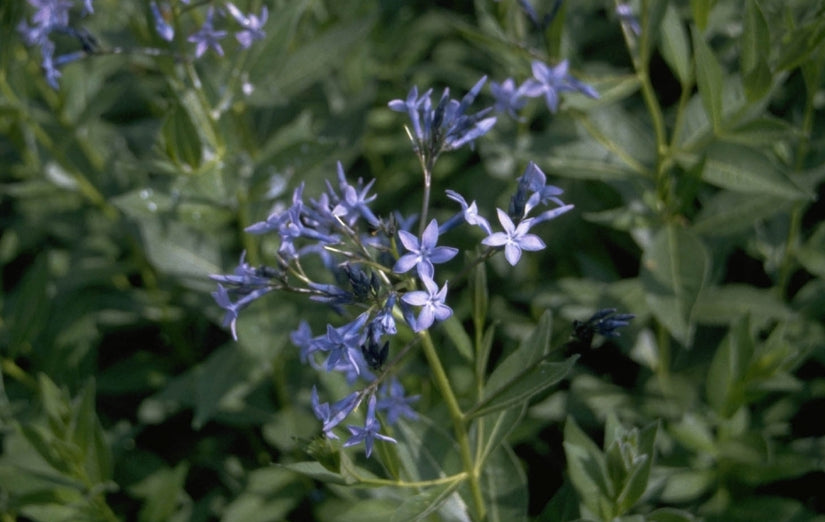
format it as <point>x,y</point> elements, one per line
<point>745,169</point>
<point>529,352</point>
<point>494,429</point>
<point>728,213</point>
<point>458,335</point>
<point>722,305</point>
<point>675,46</point>
<point>755,45</point>
<point>424,504</point>
<point>724,385</point>
<point>523,385</point>
<point>800,43</point>
<point>587,470</point>
<point>181,138</point>
<point>637,481</point>
<point>701,10</point>
<point>709,79</point>
<point>316,471</point>
<point>653,11</point>
<point>28,309</point>
<point>755,39</point>
<point>504,486</point>
<point>670,515</point>
<point>88,435</point>
<point>43,443</point>
<point>674,268</point>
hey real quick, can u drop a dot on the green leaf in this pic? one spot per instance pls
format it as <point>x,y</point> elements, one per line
<point>636,483</point>
<point>493,429</point>
<point>270,494</point>
<point>811,255</point>
<point>722,305</point>
<point>318,472</point>
<point>669,515</point>
<point>28,310</point>
<point>674,268</point>
<point>522,386</point>
<point>178,250</point>
<point>587,470</point>
<point>675,46</point>
<point>181,138</point>
<point>458,335</point>
<point>728,213</point>
<point>653,11</point>
<point>88,435</point>
<point>163,492</point>
<point>755,38</point>
<point>701,10</point>
<point>504,486</point>
<point>709,79</point>
<point>748,170</point>
<point>426,448</point>
<point>724,386</point>
<point>563,507</point>
<point>424,504</point>
<point>800,43</point>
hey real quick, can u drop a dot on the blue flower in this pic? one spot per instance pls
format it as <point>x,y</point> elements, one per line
<point>222,297</point>
<point>252,24</point>
<point>369,432</point>
<point>431,302</point>
<point>508,97</point>
<point>470,212</point>
<point>532,190</point>
<point>514,239</point>
<point>164,29</point>
<point>354,201</point>
<point>207,37</point>
<point>331,416</point>
<point>551,81</point>
<point>422,254</point>
<point>394,404</point>
<point>343,345</point>
<point>628,19</point>
<point>445,127</point>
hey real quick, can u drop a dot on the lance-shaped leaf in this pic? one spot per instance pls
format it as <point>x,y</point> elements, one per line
<point>674,268</point>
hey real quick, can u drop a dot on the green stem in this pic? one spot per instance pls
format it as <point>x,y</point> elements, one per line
<point>442,382</point>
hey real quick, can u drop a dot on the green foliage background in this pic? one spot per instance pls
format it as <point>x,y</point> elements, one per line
<point>697,179</point>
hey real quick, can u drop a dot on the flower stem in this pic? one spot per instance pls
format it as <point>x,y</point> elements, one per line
<point>442,382</point>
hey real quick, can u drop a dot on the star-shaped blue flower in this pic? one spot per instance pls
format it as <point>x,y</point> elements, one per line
<point>369,432</point>
<point>431,302</point>
<point>514,239</point>
<point>422,254</point>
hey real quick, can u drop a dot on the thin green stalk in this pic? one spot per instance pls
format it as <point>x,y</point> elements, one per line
<point>442,382</point>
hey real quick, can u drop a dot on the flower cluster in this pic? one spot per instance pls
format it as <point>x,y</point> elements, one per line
<point>55,17</point>
<point>52,17</point>
<point>547,82</point>
<point>375,271</point>
<point>445,126</point>
<point>249,26</point>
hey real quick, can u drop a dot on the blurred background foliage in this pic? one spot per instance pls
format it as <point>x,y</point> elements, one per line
<point>122,397</point>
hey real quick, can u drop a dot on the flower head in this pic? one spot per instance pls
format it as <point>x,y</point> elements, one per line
<point>431,302</point>
<point>207,37</point>
<point>549,82</point>
<point>422,254</point>
<point>369,432</point>
<point>514,239</point>
<point>252,25</point>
